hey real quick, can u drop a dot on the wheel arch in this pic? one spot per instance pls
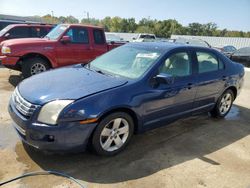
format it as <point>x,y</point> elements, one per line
<point>234,90</point>
<point>35,54</point>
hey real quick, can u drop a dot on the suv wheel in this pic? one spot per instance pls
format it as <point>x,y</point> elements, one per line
<point>113,134</point>
<point>34,66</point>
<point>223,104</point>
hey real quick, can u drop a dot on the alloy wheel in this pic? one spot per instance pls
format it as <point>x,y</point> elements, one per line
<point>114,134</point>
<point>225,103</point>
<point>37,68</point>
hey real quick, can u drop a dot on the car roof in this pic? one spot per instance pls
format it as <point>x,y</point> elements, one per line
<point>166,46</point>
<point>30,25</point>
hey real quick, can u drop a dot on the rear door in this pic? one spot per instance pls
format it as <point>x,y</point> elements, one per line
<point>210,78</point>
<point>99,45</point>
<point>77,51</point>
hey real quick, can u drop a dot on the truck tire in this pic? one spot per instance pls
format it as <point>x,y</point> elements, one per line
<point>34,66</point>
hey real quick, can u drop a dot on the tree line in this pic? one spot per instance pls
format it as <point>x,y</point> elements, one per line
<point>161,28</point>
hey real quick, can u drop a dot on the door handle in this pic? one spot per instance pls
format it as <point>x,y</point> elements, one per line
<point>190,85</point>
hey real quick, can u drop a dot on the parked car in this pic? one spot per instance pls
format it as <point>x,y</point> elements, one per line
<point>242,56</point>
<point>66,44</point>
<point>4,23</point>
<point>131,89</point>
<point>145,37</point>
<point>193,42</point>
<point>226,50</point>
<point>14,31</point>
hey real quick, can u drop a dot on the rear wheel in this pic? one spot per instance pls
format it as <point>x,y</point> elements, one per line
<point>113,134</point>
<point>223,104</point>
<point>34,66</point>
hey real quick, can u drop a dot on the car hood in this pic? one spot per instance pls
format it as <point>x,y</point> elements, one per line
<point>66,83</point>
<point>22,41</point>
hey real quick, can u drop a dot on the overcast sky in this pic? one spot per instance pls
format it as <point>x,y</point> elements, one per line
<point>229,14</point>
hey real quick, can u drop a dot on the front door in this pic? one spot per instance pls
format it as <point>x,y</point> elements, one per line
<point>169,101</point>
<point>75,51</point>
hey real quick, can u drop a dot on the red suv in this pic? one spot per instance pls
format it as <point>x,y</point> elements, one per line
<point>14,31</point>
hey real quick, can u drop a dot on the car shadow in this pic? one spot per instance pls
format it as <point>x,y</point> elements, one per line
<point>155,150</point>
<point>14,80</point>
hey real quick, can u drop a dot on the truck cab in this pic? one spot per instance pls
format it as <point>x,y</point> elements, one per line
<point>66,44</point>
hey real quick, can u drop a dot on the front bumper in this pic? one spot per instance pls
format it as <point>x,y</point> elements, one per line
<point>68,136</point>
<point>9,61</point>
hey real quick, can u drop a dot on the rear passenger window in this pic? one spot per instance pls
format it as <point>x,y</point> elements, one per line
<point>19,32</point>
<point>208,62</point>
<point>98,36</point>
<point>78,35</point>
<point>177,65</point>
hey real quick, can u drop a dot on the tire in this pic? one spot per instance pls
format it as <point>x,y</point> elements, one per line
<point>34,66</point>
<point>218,111</point>
<point>112,134</point>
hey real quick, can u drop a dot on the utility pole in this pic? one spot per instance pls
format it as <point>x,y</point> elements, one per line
<point>52,16</point>
<point>87,13</point>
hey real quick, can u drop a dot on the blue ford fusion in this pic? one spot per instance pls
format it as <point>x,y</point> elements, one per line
<point>128,90</point>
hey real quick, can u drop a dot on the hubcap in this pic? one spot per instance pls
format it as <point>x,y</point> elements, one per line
<point>114,134</point>
<point>225,103</point>
<point>37,68</point>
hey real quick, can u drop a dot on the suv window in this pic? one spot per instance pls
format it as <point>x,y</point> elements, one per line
<point>177,65</point>
<point>78,35</point>
<point>98,36</point>
<point>19,32</point>
<point>208,62</point>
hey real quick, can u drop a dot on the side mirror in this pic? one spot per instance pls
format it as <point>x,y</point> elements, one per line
<point>65,39</point>
<point>164,78</point>
<point>7,35</point>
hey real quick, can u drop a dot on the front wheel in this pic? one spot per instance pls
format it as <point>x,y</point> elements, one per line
<point>34,66</point>
<point>223,104</point>
<point>113,134</point>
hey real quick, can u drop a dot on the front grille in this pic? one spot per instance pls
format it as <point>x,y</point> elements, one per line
<point>23,106</point>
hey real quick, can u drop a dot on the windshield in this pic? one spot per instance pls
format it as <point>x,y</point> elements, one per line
<point>126,61</point>
<point>55,33</point>
<point>4,30</point>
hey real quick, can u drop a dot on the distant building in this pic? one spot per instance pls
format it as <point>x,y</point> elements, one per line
<point>218,41</point>
<point>36,19</point>
<point>124,36</point>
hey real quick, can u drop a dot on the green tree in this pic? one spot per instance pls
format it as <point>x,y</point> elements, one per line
<point>71,19</point>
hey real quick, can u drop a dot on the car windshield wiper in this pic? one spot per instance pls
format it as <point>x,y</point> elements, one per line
<point>87,66</point>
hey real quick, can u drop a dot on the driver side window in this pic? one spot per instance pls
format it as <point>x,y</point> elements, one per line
<point>177,65</point>
<point>78,35</point>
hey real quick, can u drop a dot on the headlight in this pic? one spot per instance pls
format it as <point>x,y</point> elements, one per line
<point>50,111</point>
<point>6,50</point>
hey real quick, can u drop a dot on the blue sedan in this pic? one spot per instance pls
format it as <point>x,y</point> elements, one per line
<point>131,89</point>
